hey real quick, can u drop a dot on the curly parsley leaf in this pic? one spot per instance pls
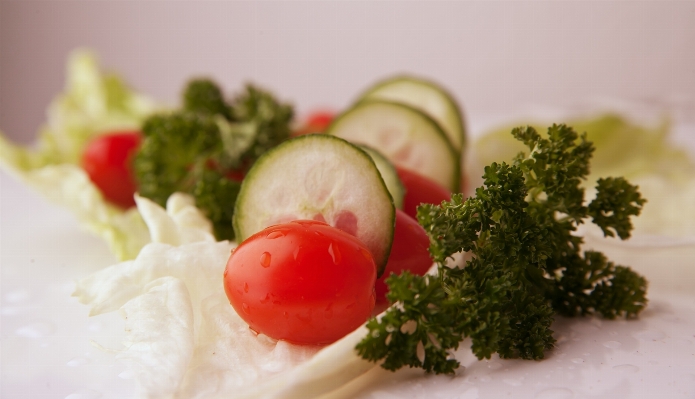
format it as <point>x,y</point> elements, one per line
<point>525,266</point>
<point>207,146</point>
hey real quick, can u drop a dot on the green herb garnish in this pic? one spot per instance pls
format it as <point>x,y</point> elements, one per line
<point>525,266</point>
<point>206,147</point>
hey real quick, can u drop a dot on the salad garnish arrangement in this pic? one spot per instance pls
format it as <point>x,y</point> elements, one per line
<point>331,229</point>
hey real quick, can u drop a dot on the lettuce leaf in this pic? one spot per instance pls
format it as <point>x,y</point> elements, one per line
<point>644,155</point>
<point>184,340</point>
<point>93,103</point>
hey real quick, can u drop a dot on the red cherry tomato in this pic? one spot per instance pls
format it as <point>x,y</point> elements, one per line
<point>408,252</point>
<point>317,122</point>
<point>304,282</point>
<point>107,162</point>
<point>419,189</point>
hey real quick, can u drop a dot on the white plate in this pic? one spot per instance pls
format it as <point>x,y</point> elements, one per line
<point>45,334</point>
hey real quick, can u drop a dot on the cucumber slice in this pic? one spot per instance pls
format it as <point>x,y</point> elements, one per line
<point>389,174</point>
<point>428,97</point>
<point>405,135</point>
<point>318,177</point>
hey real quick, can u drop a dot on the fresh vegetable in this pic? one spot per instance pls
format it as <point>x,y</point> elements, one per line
<point>408,252</point>
<point>93,103</point>
<point>525,262</point>
<point>318,177</point>
<point>316,122</point>
<point>420,190</point>
<point>206,147</point>
<point>428,97</point>
<point>107,161</point>
<point>645,154</point>
<point>304,282</point>
<point>390,175</point>
<point>405,135</point>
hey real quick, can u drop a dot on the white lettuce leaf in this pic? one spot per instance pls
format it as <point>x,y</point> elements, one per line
<point>184,339</point>
<point>93,103</point>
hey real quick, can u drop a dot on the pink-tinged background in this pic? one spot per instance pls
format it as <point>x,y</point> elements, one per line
<point>494,56</point>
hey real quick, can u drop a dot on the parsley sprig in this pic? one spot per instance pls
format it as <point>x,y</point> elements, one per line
<point>205,147</point>
<point>525,263</point>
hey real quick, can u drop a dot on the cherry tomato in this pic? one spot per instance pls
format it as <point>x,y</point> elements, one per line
<point>408,252</point>
<point>419,189</point>
<point>317,122</point>
<point>304,282</point>
<point>107,162</point>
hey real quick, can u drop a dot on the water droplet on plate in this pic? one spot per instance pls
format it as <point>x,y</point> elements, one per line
<point>555,393</point>
<point>265,259</point>
<point>650,335</point>
<point>626,368</point>
<point>494,366</point>
<point>127,374</point>
<point>36,330</point>
<point>612,344</point>
<point>513,382</point>
<point>77,361</point>
<point>577,360</point>
<point>17,296</point>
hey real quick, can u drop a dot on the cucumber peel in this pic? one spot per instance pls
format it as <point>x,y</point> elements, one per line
<point>427,96</point>
<point>405,135</point>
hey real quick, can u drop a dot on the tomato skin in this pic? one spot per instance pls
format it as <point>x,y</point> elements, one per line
<point>304,282</point>
<point>409,251</point>
<point>107,161</point>
<point>317,122</point>
<point>419,189</point>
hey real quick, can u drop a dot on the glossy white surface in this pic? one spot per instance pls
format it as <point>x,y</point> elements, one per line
<point>46,349</point>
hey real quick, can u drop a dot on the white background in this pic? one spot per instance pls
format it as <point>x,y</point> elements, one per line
<point>494,56</point>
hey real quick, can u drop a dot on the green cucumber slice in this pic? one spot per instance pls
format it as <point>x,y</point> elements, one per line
<point>406,136</point>
<point>318,177</point>
<point>389,174</point>
<point>428,97</point>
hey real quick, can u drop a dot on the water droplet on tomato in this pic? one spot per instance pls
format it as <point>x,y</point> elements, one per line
<point>275,234</point>
<point>246,308</point>
<point>246,287</point>
<point>265,259</point>
<point>335,254</point>
<point>225,273</point>
<point>266,299</point>
<point>295,253</point>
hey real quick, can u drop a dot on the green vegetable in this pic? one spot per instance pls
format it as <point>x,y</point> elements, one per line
<point>526,264</point>
<point>621,146</point>
<point>93,103</point>
<point>200,148</point>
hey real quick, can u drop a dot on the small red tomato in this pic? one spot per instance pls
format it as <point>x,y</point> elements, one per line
<point>107,161</point>
<point>408,252</point>
<point>317,122</point>
<point>304,282</point>
<point>419,189</point>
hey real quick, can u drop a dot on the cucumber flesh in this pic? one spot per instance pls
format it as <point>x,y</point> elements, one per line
<point>389,174</point>
<point>406,136</point>
<point>318,177</point>
<point>428,97</point>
